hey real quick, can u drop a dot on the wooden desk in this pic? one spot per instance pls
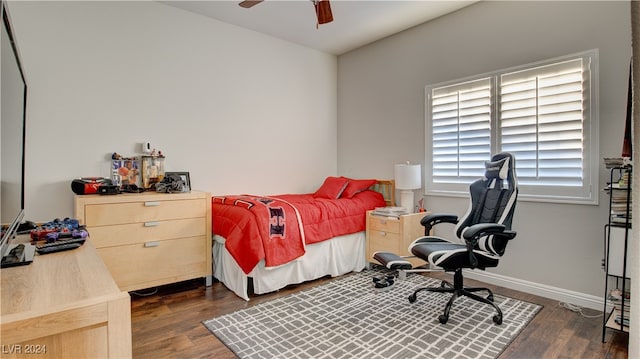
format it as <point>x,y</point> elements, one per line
<point>64,305</point>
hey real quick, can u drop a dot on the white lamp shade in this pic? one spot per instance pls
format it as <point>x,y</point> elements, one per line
<point>408,176</point>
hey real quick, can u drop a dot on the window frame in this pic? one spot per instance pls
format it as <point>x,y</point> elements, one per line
<point>588,193</point>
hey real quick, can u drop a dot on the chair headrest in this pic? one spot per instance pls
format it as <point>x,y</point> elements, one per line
<point>498,167</point>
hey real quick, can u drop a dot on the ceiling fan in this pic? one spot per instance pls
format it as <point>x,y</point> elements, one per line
<point>323,9</point>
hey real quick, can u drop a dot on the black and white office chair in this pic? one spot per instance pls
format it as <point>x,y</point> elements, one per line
<point>482,235</point>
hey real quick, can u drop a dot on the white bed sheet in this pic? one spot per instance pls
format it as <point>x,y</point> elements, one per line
<point>333,257</point>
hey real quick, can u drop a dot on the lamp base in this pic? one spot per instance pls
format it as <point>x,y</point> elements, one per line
<point>407,200</point>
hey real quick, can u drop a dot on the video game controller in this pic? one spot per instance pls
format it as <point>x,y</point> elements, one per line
<point>58,229</point>
<point>54,236</point>
<point>26,227</point>
<point>41,233</point>
<point>60,224</point>
<point>79,233</point>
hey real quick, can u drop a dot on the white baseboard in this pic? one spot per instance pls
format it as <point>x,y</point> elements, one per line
<point>559,294</point>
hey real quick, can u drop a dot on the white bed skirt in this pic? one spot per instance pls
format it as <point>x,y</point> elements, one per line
<point>332,257</point>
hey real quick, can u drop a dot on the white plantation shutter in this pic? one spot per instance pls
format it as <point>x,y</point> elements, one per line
<point>541,116</point>
<point>545,114</point>
<point>461,131</point>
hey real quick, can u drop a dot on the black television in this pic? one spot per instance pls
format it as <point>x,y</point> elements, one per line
<point>12,146</point>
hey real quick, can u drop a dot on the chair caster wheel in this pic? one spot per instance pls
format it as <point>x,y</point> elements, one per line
<point>497,319</point>
<point>443,319</point>
<point>412,298</point>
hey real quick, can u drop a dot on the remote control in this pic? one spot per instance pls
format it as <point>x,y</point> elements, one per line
<point>58,248</point>
<point>61,242</point>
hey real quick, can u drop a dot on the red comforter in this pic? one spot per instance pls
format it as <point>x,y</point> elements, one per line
<point>276,228</point>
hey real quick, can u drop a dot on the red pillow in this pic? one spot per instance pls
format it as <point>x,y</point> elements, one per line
<point>356,186</point>
<point>332,187</point>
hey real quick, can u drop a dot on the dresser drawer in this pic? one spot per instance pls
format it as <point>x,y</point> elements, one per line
<point>393,235</point>
<point>384,241</point>
<point>150,239</point>
<point>384,224</point>
<point>122,234</point>
<point>136,264</point>
<point>143,211</point>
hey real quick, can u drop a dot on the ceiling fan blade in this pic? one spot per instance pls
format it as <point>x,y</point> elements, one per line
<point>249,3</point>
<point>323,11</point>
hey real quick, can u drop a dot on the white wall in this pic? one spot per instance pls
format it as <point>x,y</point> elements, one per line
<point>242,112</point>
<point>226,104</point>
<point>381,114</point>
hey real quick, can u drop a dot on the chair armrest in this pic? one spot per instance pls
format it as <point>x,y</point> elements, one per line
<point>481,229</point>
<point>472,234</point>
<point>430,220</point>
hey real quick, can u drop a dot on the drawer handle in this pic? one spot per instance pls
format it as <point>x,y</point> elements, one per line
<point>383,233</point>
<point>151,204</point>
<point>382,221</point>
<point>151,244</point>
<point>151,224</point>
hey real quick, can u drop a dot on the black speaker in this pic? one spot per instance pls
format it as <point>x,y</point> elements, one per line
<point>108,189</point>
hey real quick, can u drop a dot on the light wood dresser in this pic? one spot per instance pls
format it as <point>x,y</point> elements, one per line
<point>64,305</point>
<point>150,239</point>
<point>390,234</point>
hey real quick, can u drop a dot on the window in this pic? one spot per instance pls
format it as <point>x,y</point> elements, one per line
<point>545,114</point>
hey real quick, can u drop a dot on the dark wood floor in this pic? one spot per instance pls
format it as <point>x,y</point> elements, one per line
<point>167,324</point>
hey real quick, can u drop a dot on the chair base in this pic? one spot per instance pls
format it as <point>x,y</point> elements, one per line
<point>457,289</point>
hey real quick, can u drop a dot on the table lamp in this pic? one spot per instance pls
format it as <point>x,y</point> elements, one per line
<point>408,179</point>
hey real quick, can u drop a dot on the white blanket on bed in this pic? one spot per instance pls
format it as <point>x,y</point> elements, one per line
<point>333,257</point>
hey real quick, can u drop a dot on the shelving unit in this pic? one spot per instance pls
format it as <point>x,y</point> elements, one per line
<point>617,233</point>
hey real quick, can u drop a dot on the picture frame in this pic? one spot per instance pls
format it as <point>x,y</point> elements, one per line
<point>125,172</point>
<point>152,171</point>
<point>185,178</point>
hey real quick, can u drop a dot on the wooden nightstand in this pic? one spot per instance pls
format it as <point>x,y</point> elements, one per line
<point>393,235</point>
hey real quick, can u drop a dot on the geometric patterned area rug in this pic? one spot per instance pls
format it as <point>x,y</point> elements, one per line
<point>348,318</point>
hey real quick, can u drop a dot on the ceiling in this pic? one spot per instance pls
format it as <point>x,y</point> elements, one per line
<point>356,22</point>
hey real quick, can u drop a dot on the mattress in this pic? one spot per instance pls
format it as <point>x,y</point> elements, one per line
<point>333,257</point>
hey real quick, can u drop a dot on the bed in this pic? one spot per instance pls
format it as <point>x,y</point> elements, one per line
<point>274,241</point>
